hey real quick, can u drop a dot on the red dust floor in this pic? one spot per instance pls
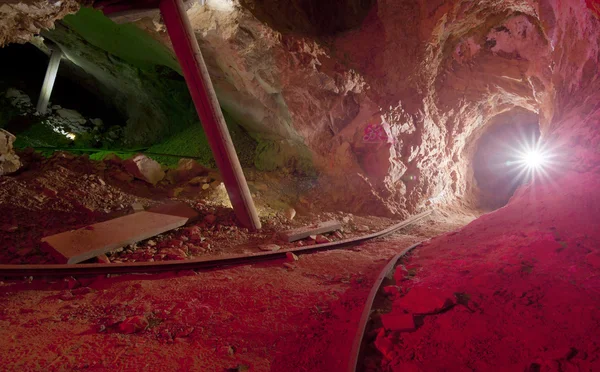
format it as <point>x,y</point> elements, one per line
<point>268,317</point>
<point>515,290</point>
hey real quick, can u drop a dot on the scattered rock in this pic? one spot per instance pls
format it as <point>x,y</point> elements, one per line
<point>121,176</point>
<point>196,181</point>
<point>261,186</point>
<point>144,168</point>
<point>103,259</point>
<point>72,283</point>
<point>291,257</point>
<point>188,169</point>
<point>112,158</point>
<point>320,239</point>
<point>338,234</point>
<point>384,344</point>
<point>9,161</point>
<point>391,290</point>
<point>290,213</point>
<point>362,228</point>
<point>211,218</point>
<point>137,207</point>
<point>398,322</point>
<point>72,116</point>
<point>133,324</point>
<point>206,186</point>
<point>269,247</point>
<point>289,266</point>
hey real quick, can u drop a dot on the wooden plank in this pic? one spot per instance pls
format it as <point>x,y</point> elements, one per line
<point>91,241</point>
<point>176,209</point>
<point>303,232</point>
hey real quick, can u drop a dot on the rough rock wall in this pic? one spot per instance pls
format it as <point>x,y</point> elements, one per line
<point>21,19</point>
<point>433,75</point>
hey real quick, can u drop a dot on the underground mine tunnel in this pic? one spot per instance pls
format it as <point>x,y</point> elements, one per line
<point>257,185</point>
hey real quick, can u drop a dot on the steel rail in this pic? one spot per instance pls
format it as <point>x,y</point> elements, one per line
<point>8,271</point>
<point>357,348</point>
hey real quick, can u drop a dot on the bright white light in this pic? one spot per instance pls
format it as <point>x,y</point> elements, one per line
<point>71,136</point>
<point>534,159</point>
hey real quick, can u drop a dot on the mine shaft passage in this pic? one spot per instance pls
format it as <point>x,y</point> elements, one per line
<point>506,157</point>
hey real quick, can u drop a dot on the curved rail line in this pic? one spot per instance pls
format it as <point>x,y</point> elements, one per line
<point>365,317</point>
<point>8,271</point>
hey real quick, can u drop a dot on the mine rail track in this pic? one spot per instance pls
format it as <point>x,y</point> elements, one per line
<point>13,271</point>
<point>365,318</point>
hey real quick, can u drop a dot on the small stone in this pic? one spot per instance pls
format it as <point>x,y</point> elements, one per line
<point>49,192</point>
<point>289,266</point>
<point>151,243</point>
<point>121,176</point>
<point>269,247</point>
<point>261,186</point>
<point>101,181</point>
<point>312,237</point>
<point>144,168</point>
<point>362,228</point>
<point>338,234</point>
<point>320,239</point>
<point>137,207</point>
<point>211,218</point>
<point>290,213</point>
<point>188,169</point>
<point>346,219</point>
<point>206,186</point>
<point>290,256</point>
<point>197,181</point>
<point>102,259</point>
<point>72,283</point>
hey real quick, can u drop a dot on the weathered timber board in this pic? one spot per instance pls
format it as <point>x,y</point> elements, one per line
<point>79,245</point>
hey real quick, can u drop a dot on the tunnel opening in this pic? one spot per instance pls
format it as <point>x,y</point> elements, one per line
<point>504,156</point>
<point>23,70</point>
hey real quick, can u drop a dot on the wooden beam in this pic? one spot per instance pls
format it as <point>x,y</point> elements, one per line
<point>204,97</point>
<point>55,56</point>
<point>304,232</point>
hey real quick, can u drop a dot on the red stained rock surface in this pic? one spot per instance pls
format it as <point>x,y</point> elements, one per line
<point>527,298</point>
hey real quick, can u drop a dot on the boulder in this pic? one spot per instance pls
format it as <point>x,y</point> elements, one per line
<point>9,161</point>
<point>144,168</point>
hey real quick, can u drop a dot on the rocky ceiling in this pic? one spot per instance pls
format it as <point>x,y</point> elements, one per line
<point>390,97</point>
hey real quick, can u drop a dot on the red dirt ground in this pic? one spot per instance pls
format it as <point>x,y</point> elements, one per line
<point>266,317</point>
<point>525,281</point>
<point>524,284</point>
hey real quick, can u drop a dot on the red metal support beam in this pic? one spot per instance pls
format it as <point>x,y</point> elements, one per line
<point>202,91</point>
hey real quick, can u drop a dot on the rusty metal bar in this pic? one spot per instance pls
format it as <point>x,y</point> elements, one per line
<point>204,97</point>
